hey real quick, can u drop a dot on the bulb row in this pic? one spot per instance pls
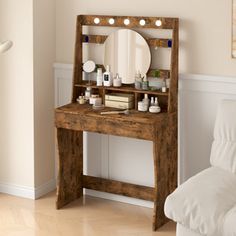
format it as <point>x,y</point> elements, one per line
<point>142,22</point>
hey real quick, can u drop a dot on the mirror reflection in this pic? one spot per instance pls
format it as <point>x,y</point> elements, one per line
<point>127,53</point>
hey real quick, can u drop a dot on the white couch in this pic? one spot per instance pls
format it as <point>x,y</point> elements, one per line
<point>206,203</point>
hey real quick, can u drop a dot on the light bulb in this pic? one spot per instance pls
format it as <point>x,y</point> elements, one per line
<point>142,22</point>
<point>158,23</point>
<point>126,21</point>
<point>111,21</point>
<point>96,20</point>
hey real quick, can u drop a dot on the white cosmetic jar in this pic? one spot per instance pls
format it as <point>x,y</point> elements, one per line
<point>154,109</point>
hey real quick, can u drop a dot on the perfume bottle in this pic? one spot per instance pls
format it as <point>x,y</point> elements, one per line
<point>156,103</point>
<point>152,101</point>
<point>107,77</point>
<point>99,77</point>
<point>145,83</point>
<point>146,100</point>
<point>138,80</point>
<point>87,93</point>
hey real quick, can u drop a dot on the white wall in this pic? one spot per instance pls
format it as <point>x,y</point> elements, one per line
<point>44,57</point>
<point>16,95</point>
<point>27,97</point>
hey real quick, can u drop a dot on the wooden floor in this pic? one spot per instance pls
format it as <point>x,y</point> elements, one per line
<point>84,217</point>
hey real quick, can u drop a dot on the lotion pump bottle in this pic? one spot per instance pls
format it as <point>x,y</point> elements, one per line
<point>107,77</point>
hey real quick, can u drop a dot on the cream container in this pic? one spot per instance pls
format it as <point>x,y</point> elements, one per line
<point>117,81</point>
<point>95,100</point>
<point>81,100</point>
<point>154,109</point>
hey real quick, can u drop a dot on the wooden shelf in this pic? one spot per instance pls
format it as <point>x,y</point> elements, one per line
<point>128,89</point>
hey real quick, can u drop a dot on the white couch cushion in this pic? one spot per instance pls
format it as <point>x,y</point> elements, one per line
<point>229,227</point>
<point>182,231</point>
<point>223,152</point>
<point>202,202</point>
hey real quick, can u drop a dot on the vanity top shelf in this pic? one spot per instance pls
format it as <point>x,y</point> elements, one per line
<point>124,88</point>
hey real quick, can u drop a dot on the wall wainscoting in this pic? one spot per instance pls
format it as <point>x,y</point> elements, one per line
<point>114,157</point>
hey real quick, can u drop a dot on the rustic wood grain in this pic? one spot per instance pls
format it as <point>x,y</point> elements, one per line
<point>165,167</point>
<point>78,59</point>
<point>152,42</point>
<point>167,23</point>
<point>173,98</point>
<point>70,148</point>
<point>83,118</point>
<point>71,120</point>
<point>117,187</point>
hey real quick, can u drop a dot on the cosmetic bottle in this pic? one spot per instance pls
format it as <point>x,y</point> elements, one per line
<point>146,100</point>
<point>156,102</point>
<point>99,77</point>
<point>152,101</point>
<point>87,93</point>
<point>145,83</point>
<point>138,80</point>
<point>107,77</point>
<point>117,81</point>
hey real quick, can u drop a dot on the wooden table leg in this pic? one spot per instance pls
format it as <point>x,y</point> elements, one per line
<point>165,168</point>
<point>70,147</point>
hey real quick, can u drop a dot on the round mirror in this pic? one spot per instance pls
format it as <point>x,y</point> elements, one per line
<point>127,53</point>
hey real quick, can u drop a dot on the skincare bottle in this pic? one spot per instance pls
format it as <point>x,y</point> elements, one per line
<point>117,81</point>
<point>87,93</point>
<point>152,101</point>
<point>145,83</point>
<point>99,77</point>
<point>107,77</point>
<point>156,102</point>
<point>138,80</point>
<point>146,100</point>
<point>163,89</point>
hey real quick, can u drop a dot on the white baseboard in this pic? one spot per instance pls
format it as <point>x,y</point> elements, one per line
<point>119,198</point>
<point>17,190</point>
<point>28,192</point>
<point>45,188</point>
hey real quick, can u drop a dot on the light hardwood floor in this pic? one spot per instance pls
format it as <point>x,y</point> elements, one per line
<point>85,217</point>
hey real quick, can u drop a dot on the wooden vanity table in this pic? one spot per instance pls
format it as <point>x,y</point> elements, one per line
<point>72,119</point>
